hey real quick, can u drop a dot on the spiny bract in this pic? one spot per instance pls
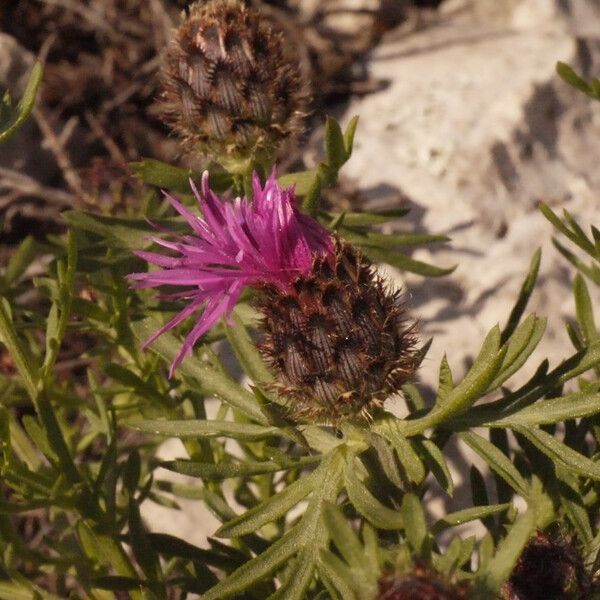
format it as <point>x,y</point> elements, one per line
<point>230,88</point>
<point>339,338</point>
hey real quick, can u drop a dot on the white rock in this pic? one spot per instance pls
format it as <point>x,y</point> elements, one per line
<point>476,128</point>
<point>194,522</point>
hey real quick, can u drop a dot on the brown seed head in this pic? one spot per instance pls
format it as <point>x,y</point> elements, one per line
<point>550,567</point>
<point>421,584</point>
<point>339,338</point>
<point>229,86</point>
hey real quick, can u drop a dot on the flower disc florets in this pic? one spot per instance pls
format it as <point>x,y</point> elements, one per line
<point>338,337</point>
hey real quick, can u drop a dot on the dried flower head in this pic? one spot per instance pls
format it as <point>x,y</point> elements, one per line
<point>230,88</point>
<point>421,584</point>
<point>338,337</point>
<point>549,567</point>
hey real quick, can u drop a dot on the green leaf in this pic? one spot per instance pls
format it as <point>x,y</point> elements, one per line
<point>193,428</point>
<point>413,397</point>
<point>36,432</point>
<point>520,346</point>
<point>103,550</point>
<point>485,550</point>
<point>298,577</point>
<point>435,460</point>
<point>131,234</point>
<point>338,574</point>
<point>335,147</point>
<point>479,495</point>
<point>466,515</point>
<point>577,365</point>
<point>208,379</point>
<point>408,457</point>
<point>169,545</point>
<point>568,75</point>
<point>302,181</point>
<point>497,570</point>
<point>13,118</point>
<point>16,439</point>
<point>134,382</point>
<point>272,508</point>
<point>141,546</point>
<point>131,472</point>
<point>343,535</point>
<point>573,504</point>
<point>463,395</point>
<point>226,470</point>
<point>349,135</point>
<point>449,562</point>
<point>28,370</point>
<point>20,260</point>
<point>497,461</point>
<point>364,219</point>
<point>559,452</point>
<point>415,526</point>
<point>592,271</point>
<point>446,382</point>
<point>311,200</point>
<point>584,310</point>
<point>405,263</point>
<point>116,583</point>
<point>61,308</point>
<point>524,295</point>
<point>553,410</point>
<point>247,353</point>
<point>307,533</point>
<point>163,175</point>
<point>373,240</point>
<point>575,235</point>
<point>24,590</point>
<point>14,508</point>
<point>367,505</point>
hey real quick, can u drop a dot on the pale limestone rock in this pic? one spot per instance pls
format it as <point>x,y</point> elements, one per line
<point>194,522</point>
<point>476,128</point>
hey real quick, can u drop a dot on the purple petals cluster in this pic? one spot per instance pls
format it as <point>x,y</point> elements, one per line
<point>232,245</point>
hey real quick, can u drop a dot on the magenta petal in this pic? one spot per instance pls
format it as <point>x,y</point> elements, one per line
<point>180,317</point>
<point>232,245</point>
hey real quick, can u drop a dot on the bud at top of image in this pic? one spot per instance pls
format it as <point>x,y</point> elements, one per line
<point>230,87</point>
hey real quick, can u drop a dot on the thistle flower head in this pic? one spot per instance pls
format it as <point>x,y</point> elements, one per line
<point>338,337</point>
<point>233,245</point>
<point>230,87</point>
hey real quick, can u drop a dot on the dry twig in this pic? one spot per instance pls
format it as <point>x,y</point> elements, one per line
<point>52,142</point>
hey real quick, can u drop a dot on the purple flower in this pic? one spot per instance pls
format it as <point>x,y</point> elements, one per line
<point>231,246</point>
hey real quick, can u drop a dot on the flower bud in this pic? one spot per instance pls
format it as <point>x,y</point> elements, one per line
<point>230,88</point>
